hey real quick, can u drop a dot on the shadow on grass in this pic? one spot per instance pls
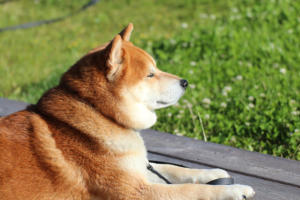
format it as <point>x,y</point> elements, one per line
<point>6,1</point>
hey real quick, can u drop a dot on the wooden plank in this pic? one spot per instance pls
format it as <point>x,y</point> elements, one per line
<point>232,159</point>
<point>10,106</point>
<point>265,190</point>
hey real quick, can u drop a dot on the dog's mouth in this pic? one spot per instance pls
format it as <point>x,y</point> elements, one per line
<point>162,102</point>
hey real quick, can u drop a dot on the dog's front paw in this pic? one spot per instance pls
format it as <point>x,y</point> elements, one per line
<point>211,174</point>
<point>238,192</point>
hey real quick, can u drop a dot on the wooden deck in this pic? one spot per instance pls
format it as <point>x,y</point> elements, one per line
<point>271,177</point>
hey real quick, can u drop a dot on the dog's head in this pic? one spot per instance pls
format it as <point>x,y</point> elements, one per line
<point>123,82</point>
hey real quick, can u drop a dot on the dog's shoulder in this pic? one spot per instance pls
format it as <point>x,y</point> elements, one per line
<point>15,127</point>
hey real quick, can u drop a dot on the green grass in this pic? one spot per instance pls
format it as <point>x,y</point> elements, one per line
<point>240,57</point>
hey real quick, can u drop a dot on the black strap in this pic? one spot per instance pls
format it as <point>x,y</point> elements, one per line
<point>49,21</point>
<point>150,168</point>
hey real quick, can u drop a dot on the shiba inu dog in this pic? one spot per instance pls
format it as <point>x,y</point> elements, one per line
<point>81,140</point>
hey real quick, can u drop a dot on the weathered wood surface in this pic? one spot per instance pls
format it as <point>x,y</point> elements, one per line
<point>249,163</point>
<point>272,178</point>
<point>10,106</point>
<point>269,176</point>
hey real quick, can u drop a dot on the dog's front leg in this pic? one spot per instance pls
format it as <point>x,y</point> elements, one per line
<point>177,174</point>
<point>198,192</point>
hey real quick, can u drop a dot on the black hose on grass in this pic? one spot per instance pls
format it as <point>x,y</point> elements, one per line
<point>49,21</point>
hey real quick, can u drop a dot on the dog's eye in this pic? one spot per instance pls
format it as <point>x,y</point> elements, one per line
<point>150,75</point>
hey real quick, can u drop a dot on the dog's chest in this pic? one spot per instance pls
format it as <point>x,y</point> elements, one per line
<point>133,150</point>
<point>125,143</point>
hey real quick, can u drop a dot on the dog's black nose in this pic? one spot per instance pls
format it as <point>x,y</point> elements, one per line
<point>184,83</point>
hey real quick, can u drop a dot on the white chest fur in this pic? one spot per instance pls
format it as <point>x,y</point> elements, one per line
<point>133,150</point>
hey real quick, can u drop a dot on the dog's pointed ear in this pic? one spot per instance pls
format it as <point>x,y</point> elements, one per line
<point>126,33</point>
<point>115,58</point>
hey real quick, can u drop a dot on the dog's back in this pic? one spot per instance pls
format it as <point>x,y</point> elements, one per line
<point>31,165</point>
<point>19,171</point>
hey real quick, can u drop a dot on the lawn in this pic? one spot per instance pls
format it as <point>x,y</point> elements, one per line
<point>240,57</point>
